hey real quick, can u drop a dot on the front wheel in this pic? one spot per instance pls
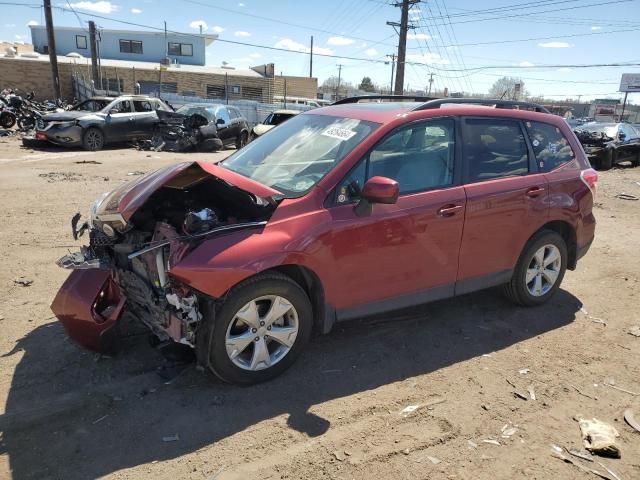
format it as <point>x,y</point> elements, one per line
<point>93,139</point>
<point>258,332</point>
<point>539,270</point>
<point>7,120</point>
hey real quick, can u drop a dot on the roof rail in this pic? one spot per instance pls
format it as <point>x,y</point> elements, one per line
<point>488,102</point>
<point>415,98</point>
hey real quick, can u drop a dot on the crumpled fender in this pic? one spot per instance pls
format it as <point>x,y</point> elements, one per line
<point>219,263</point>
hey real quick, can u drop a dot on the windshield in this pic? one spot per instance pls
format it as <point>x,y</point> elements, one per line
<point>277,118</point>
<point>91,105</point>
<point>295,156</point>
<point>207,112</point>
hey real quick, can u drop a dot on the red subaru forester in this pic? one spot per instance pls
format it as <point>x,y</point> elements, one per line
<point>340,212</point>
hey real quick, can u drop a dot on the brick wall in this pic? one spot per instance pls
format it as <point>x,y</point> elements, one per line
<point>28,75</point>
<point>296,86</point>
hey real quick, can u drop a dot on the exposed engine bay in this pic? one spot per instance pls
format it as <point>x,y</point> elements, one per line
<point>140,248</point>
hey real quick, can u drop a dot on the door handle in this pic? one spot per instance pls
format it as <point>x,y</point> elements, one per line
<point>535,191</point>
<point>449,210</point>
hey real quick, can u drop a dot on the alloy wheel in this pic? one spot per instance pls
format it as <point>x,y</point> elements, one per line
<point>543,270</point>
<point>262,333</point>
<point>94,140</point>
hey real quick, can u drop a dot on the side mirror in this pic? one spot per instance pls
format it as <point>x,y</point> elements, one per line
<point>377,190</point>
<point>220,121</point>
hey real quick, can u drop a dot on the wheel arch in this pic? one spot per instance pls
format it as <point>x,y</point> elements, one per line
<point>568,233</point>
<point>323,314</point>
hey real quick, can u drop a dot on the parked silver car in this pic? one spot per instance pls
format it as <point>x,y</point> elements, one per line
<point>126,118</point>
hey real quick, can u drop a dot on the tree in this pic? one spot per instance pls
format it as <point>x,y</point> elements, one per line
<point>367,85</point>
<point>505,88</point>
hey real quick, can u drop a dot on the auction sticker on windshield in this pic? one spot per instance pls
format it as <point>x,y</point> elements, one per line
<point>339,133</point>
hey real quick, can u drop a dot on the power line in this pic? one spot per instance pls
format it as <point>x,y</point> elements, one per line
<point>343,57</point>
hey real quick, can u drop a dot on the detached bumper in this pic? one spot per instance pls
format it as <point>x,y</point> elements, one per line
<point>88,305</point>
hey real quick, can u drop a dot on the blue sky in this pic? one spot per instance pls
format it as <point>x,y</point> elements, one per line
<point>451,39</point>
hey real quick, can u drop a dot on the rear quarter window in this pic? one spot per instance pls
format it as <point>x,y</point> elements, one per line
<point>550,146</point>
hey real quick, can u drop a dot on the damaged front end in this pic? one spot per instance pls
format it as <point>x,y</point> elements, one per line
<point>137,234</point>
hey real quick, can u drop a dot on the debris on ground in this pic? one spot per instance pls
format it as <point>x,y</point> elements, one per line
<point>524,371</point>
<point>23,282</point>
<point>491,442</point>
<point>583,456</point>
<point>92,162</point>
<point>599,437</point>
<point>340,456</point>
<point>556,452</point>
<point>626,196</point>
<point>631,420</point>
<point>592,318</point>
<point>635,331</point>
<point>409,409</point>
<point>472,444</point>
<point>60,176</point>
<point>611,472</point>
<point>582,393</point>
<point>507,431</point>
<point>611,384</point>
<point>532,393</point>
<point>433,460</point>
<point>137,172</point>
<point>99,419</point>
<point>171,438</point>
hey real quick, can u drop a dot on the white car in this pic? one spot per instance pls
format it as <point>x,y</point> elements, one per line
<point>273,119</point>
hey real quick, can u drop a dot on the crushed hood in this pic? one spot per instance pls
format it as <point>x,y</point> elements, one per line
<point>129,197</point>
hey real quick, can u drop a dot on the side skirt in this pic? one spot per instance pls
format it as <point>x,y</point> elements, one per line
<point>425,296</point>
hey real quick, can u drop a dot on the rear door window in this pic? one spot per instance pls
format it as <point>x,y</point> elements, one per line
<point>550,146</point>
<point>494,148</point>
<point>142,106</point>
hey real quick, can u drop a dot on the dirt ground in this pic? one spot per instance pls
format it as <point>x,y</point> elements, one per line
<point>70,414</point>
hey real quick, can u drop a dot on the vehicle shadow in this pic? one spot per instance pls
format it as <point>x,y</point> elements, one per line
<point>125,426</point>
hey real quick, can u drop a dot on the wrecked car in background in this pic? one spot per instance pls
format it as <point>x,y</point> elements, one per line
<point>177,132</point>
<point>124,119</point>
<point>273,119</point>
<point>607,144</point>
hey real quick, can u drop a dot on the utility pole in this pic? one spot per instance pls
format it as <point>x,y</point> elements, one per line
<point>51,41</point>
<point>402,42</point>
<point>393,66</point>
<point>430,83</point>
<point>311,59</point>
<point>339,77</point>
<point>94,52</point>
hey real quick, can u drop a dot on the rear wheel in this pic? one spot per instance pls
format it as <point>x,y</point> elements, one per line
<point>93,139</point>
<point>605,161</point>
<point>258,332</point>
<point>241,141</point>
<point>539,270</point>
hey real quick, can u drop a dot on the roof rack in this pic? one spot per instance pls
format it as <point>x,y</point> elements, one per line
<point>488,102</point>
<point>415,98</point>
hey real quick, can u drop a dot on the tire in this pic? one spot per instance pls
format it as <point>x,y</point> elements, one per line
<point>524,293</point>
<point>222,323</point>
<point>241,141</point>
<point>605,161</point>
<point>7,120</point>
<point>93,139</point>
